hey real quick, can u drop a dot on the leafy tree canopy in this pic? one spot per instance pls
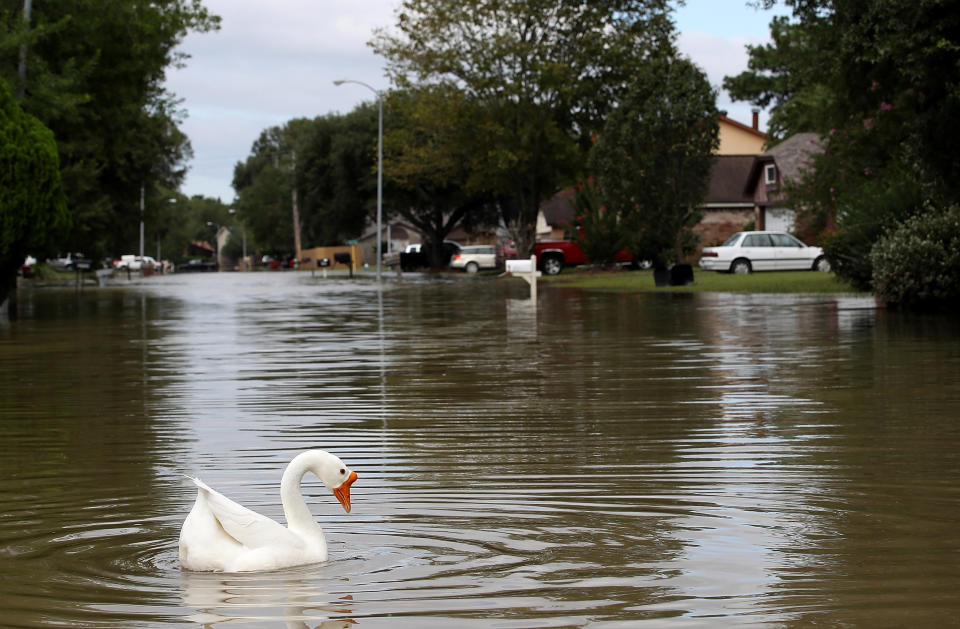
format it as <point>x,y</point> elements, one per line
<point>879,79</point>
<point>542,72</point>
<point>654,157</point>
<point>438,178</point>
<point>329,160</point>
<point>33,209</point>
<point>94,75</point>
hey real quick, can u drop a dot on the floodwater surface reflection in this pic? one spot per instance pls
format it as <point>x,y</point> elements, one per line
<point>607,460</point>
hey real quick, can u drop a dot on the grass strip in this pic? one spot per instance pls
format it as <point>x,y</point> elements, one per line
<point>704,281</point>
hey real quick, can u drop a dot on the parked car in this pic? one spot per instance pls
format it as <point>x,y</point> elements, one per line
<point>745,252</point>
<point>69,262</point>
<point>472,258</point>
<point>555,255</point>
<point>197,264</point>
<point>416,256</point>
<point>134,263</point>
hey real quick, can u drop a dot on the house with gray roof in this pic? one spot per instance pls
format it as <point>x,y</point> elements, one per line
<point>750,190</point>
<point>783,164</point>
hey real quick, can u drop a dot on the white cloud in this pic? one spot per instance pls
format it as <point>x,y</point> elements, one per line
<point>275,60</point>
<point>271,61</point>
<point>719,57</point>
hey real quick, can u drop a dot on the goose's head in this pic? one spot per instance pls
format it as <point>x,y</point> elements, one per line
<point>335,475</point>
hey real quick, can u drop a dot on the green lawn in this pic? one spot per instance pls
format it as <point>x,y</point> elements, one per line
<point>704,281</point>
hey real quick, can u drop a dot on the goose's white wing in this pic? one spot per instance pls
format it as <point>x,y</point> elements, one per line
<point>246,526</point>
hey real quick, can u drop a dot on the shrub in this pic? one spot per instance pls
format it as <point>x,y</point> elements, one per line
<point>917,265</point>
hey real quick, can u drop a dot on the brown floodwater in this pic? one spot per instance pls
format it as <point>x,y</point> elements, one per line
<point>613,460</point>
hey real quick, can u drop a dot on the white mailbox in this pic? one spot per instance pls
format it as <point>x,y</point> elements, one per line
<point>519,266</point>
<point>527,269</point>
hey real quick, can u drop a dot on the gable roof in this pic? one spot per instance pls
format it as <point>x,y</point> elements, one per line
<point>794,155</point>
<point>742,127</point>
<point>558,211</point>
<point>728,180</point>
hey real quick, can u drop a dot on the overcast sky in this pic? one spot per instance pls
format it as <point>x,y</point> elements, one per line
<point>277,60</point>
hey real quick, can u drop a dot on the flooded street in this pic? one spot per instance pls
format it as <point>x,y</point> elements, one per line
<point>617,460</point>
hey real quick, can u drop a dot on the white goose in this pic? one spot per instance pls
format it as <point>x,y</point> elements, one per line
<point>220,535</point>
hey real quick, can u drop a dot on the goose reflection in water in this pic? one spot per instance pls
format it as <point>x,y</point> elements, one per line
<point>262,598</point>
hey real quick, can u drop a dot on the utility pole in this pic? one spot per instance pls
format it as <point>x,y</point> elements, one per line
<point>141,221</point>
<point>296,210</point>
<point>22,69</point>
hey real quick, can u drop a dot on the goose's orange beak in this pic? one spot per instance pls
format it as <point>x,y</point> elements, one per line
<point>343,491</point>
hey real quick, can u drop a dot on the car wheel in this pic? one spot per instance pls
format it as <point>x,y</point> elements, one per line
<point>552,265</point>
<point>471,267</point>
<point>821,264</point>
<point>741,266</point>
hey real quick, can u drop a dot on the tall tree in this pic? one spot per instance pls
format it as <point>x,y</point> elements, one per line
<point>331,163</point>
<point>544,71</point>
<point>787,74</point>
<point>336,175</point>
<point>264,185</point>
<point>95,75</point>
<point>653,158</point>
<point>889,73</point>
<point>33,209</point>
<point>437,177</point>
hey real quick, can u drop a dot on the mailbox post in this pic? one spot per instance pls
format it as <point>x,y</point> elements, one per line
<point>527,269</point>
<point>343,257</point>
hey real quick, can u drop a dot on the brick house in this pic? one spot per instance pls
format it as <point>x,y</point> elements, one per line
<point>748,191</point>
<point>746,186</point>
<point>782,164</point>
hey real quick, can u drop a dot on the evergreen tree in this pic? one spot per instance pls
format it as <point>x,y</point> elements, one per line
<point>33,209</point>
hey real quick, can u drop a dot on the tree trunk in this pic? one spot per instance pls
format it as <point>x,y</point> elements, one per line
<point>12,297</point>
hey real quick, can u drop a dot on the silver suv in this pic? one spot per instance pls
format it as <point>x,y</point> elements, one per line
<point>472,258</point>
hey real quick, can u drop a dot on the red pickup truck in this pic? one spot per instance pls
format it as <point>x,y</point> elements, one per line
<point>554,255</point>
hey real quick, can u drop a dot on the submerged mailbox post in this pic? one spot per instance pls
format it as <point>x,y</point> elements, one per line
<point>324,263</point>
<point>527,269</point>
<point>343,257</point>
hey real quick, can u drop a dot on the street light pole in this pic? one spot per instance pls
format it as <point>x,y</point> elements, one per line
<point>141,220</point>
<point>216,239</point>
<point>379,168</point>
<point>243,227</point>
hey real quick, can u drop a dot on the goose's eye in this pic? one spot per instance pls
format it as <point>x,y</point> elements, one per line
<point>343,471</point>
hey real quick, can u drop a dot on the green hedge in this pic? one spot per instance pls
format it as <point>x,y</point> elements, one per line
<point>917,265</point>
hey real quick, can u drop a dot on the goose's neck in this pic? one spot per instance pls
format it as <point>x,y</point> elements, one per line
<point>295,508</point>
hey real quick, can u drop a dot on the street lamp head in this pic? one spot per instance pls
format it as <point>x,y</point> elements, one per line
<point>339,82</point>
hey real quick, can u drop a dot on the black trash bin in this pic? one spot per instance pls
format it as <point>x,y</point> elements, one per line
<point>681,275</point>
<point>661,276</point>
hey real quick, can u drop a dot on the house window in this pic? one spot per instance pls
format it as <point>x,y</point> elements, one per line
<point>770,174</point>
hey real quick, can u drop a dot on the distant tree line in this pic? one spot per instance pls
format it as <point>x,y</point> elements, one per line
<point>92,73</point>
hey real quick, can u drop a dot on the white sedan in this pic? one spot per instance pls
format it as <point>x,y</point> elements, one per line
<point>745,252</point>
